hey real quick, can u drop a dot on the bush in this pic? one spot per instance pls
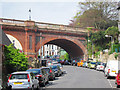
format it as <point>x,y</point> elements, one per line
<point>14,60</point>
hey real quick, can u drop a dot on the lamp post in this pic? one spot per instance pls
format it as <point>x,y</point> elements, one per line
<point>111,41</point>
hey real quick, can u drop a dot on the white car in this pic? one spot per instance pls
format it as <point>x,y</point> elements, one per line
<point>23,80</point>
<point>100,67</point>
<point>111,68</point>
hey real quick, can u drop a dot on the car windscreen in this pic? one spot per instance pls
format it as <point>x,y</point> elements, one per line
<point>93,62</point>
<point>59,65</point>
<point>47,69</point>
<point>98,63</point>
<point>35,71</point>
<point>53,67</point>
<point>18,76</point>
<point>58,60</point>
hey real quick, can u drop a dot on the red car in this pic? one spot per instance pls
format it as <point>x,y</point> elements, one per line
<point>118,79</point>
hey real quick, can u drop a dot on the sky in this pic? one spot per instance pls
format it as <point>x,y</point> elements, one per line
<point>49,12</point>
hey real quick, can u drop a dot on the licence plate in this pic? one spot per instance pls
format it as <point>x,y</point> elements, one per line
<point>113,71</point>
<point>17,83</point>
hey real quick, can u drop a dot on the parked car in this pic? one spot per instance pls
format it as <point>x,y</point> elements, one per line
<point>100,66</point>
<point>67,62</point>
<point>91,65</point>
<point>62,62</point>
<point>117,81</point>
<point>85,64</point>
<point>97,63</point>
<point>58,60</point>
<point>111,68</point>
<point>23,80</point>
<point>49,62</point>
<point>41,75</point>
<point>61,66</point>
<point>43,62</point>
<point>50,72</point>
<point>74,63</point>
<point>78,64</point>
<point>56,70</point>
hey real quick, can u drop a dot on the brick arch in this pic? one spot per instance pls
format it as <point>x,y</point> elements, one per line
<point>17,37</point>
<point>49,39</point>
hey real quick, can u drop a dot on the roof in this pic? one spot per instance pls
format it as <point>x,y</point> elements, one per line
<point>5,39</point>
<point>22,72</point>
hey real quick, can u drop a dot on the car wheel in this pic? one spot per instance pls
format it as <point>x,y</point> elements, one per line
<point>118,86</point>
<point>54,78</point>
<point>43,84</point>
<point>32,88</point>
<point>38,87</point>
<point>47,81</point>
<point>105,74</point>
<point>108,76</point>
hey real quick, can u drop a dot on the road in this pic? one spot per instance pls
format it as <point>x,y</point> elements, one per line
<point>78,77</point>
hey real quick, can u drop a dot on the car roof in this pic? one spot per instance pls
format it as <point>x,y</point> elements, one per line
<point>21,72</point>
<point>34,69</point>
<point>45,67</point>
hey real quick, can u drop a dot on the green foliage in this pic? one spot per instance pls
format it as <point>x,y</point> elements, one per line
<point>116,55</point>
<point>66,56</point>
<point>97,54</point>
<point>61,57</point>
<point>100,15</point>
<point>113,31</point>
<point>14,59</point>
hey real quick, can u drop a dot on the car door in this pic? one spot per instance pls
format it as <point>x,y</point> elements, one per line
<point>44,75</point>
<point>34,80</point>
<point>106,69</point>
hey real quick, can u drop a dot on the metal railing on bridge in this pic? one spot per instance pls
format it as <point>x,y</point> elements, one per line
<point>41,25</point>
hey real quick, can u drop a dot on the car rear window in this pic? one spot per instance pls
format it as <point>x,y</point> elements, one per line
<point>93,63</point>
<point>18,76</point>
<point>35,71</point>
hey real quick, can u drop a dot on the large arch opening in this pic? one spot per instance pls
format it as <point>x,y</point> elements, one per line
<point>70,47</point>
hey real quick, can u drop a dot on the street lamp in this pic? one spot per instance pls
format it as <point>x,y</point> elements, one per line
<point>111,40</point>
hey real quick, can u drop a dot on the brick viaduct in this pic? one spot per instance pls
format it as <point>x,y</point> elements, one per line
<point>71,39</point>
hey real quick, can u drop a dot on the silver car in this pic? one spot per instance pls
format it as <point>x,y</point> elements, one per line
<point>23,80</point>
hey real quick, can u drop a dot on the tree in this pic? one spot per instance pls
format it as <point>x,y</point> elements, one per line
<point>14,60</point>
<point>66,56</point>
<point>113,31</point>
<point>100,15</point>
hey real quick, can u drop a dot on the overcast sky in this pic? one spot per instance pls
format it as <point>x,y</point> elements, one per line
<point>51,12</point>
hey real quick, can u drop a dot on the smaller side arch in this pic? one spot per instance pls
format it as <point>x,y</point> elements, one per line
<point>18,44</point>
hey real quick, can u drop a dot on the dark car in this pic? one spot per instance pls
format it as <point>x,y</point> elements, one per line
<point>58,60</point>
<point>50,73</point>
<point>56,70</point>
<point>44,62</point>
<point>66,62</point>
<point>41,75</point>
<point>62,62</point>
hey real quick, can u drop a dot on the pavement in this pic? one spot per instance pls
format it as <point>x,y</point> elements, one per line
<point>79,77</point>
